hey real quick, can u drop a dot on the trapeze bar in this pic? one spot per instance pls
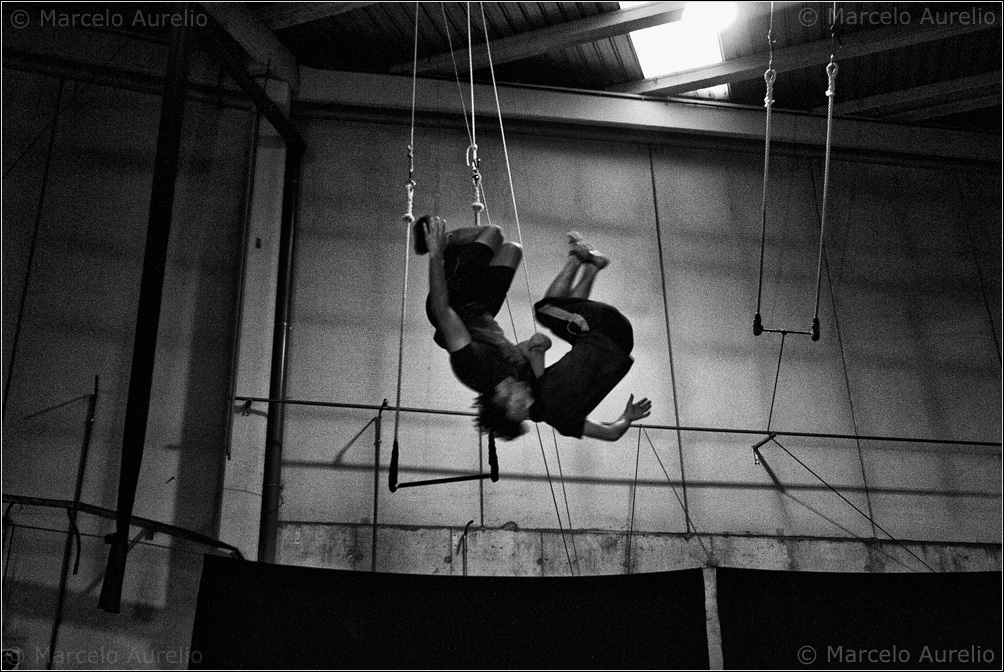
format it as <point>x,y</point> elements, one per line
<point>787,331</point>
<point>451,479</point>
<point>393,485</point>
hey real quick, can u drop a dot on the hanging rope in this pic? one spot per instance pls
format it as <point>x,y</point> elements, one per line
<point>479,196</point>
<point>473,161</point>
<point>409,219</point>
<point>831,91</point>
<point>472,151</point>
<point>526,277</point>
<point>769,76</point>
<point>409,215</point>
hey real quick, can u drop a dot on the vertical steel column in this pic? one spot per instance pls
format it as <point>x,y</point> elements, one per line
<point>165,173</point>
<point>271,496</point>
<point>295,147</point>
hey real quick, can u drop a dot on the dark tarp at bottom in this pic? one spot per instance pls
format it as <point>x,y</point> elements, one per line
<point>822,620</point>
<point>252,615</point>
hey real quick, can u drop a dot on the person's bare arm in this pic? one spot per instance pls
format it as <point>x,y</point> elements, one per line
<point>611,431</point>
<point>450,325</point>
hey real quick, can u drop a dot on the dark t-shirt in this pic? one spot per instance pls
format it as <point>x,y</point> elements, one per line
<point>573,386</point>
<point>489,358</point>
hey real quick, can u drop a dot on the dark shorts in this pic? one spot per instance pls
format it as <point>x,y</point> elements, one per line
<point>567,318</point>
<point>474,286</point>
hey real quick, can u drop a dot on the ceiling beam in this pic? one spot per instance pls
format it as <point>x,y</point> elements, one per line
<point>281,15</point>
<point>257,40</point>
<point>796,58</point>
<point>909,100</point>
<point>536,42</point>
<point>945,109</point>
<point>651,117</point>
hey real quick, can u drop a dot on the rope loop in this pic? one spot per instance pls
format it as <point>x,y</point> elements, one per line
<point>768,76</point>
<point>831,73</point>
<point>409,217</point>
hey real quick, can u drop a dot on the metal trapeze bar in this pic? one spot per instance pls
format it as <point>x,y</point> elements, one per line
<point>437,481</point>
<point>787,331</point>
<point>392,482</point>
<point>681,428</point>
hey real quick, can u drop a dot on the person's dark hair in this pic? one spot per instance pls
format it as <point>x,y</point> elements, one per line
<point>492,418</point>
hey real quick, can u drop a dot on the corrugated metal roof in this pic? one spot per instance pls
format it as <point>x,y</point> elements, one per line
<point>911,51</point>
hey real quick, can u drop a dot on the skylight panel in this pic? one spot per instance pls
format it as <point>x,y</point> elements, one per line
<point>690,43</point>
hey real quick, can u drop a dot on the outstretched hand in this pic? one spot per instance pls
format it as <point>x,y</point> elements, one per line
<point>435,236</point>
<point>634,411</point>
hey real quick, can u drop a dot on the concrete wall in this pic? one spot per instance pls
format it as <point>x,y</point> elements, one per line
<point>516,552</point>
<point>80,306</point>
<point>909,305</point>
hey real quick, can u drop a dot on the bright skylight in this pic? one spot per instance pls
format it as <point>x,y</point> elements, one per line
<point>686,44</point>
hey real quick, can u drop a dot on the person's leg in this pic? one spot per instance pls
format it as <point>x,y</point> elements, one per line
<point>584,286</point>
<point>468,254</point>
<point>486,235</point>
<point>499,275</point>
<point>561,286</point>
<point>509,254</point>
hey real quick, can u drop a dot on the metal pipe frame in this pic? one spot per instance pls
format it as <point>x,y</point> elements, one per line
<point>708,430</point>
<point>138,521</point>
<point>71,513</point>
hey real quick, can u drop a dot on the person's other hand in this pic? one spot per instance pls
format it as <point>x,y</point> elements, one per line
<point>540,342</point>
<point>435,236</point>
<point>634,411</point>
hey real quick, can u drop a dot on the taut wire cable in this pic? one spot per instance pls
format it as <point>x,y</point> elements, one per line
<point>456,73</point>
<point>554,497</point>
<point>852,505</point>
<point>634,498</point>
<point>686,514</point>
<point>843,360</point>
<point>777,376</point>
<point>669,332</point>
